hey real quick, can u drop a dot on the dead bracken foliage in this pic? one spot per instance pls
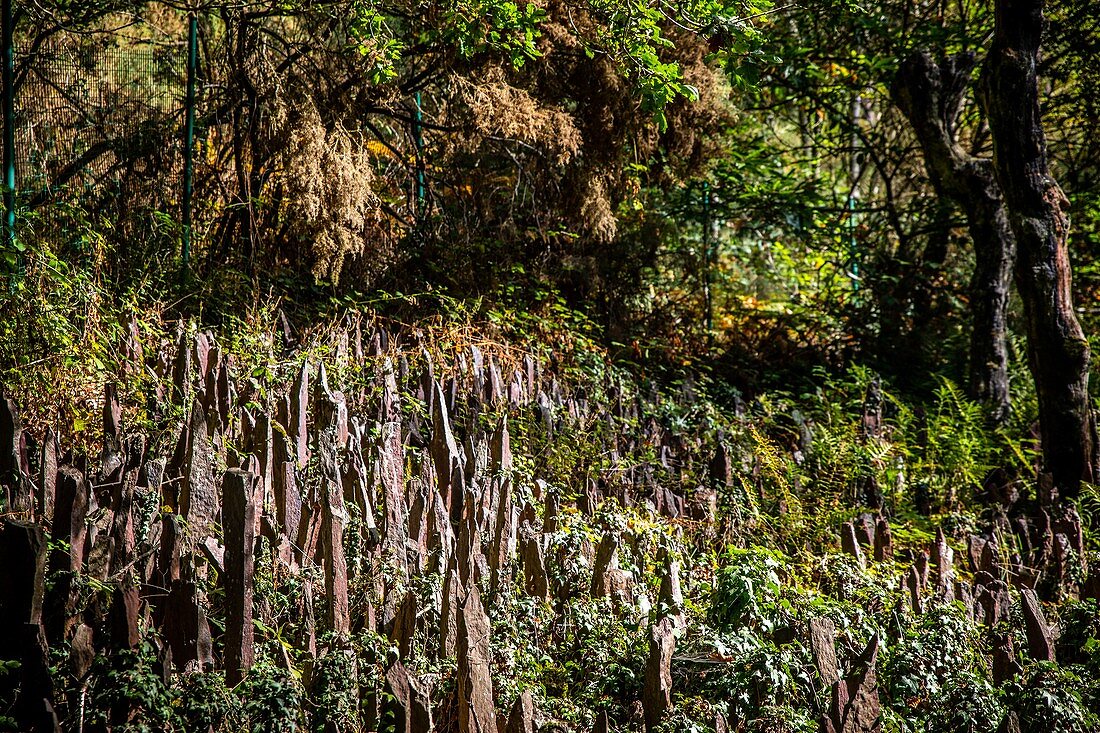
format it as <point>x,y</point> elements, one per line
<point>329,180</point>
<point>596,210</point>
<point>500,110</point>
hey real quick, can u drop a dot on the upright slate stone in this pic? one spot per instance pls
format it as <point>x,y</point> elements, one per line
<point>185,626</point>
<point>297,424</point>
<point>823,648</point>
<point>336,569</point>
<point>535,581</point>
<point>47,477</point>
<point>181,372</point>
<point>238,527</point>
<point>448,614</point>
<point>884,543</point>
<point>284,478</point>
<point>658,673</point>
<point>1040,640</point>
<point>69,530</point>
<point>850,543</point>
<point>199,495</point>
<point>22,583</point>
<point>863,712</point>
<point>14,465</point>
<point>503,534</point>
<point>476,700</point>
<point>445,453</point>
<point>522,717</point>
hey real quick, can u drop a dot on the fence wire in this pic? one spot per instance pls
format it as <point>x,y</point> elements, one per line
<point>88,111</point>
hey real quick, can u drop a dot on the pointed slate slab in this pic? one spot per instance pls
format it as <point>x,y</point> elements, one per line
<point>522,717</point>
<point>823,648</point>
<point>657,698</point>
<point>445,452</point>
<point>1040,640</point>
<point>298,417</point>
<point>476,700</point>
<point>336,568</point>
<point>239,532</point>
<point>284,480</point>
<point>199,495</point>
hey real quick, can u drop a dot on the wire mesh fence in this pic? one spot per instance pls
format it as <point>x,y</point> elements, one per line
<point>91,114</point>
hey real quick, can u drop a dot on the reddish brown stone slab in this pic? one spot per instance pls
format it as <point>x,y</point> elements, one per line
<point>476,700</point>
<point>884,543</point>
<point>522,717</point>
<point>199,494</point>
<point>239,532</point>
<point>657,698</point>
<point>336,569</point>
<point>1040,640</point>
<point>823,648</point>
<point>298,417</point>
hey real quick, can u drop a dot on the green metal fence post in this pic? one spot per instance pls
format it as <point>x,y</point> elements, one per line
<point>9,129</point>
<point>418,135</point>
<point>189,139</point>
<point>708,261</point>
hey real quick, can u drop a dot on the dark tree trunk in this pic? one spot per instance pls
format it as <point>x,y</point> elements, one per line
<point>1057,350</point>
<point>930,95</point>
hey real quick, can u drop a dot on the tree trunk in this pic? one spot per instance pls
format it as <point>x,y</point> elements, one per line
<point>930,95</point>
<point>1057,350</point>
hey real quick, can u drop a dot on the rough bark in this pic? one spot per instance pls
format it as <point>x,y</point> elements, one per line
<point>930,95</point>
<point>1038,211</point>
